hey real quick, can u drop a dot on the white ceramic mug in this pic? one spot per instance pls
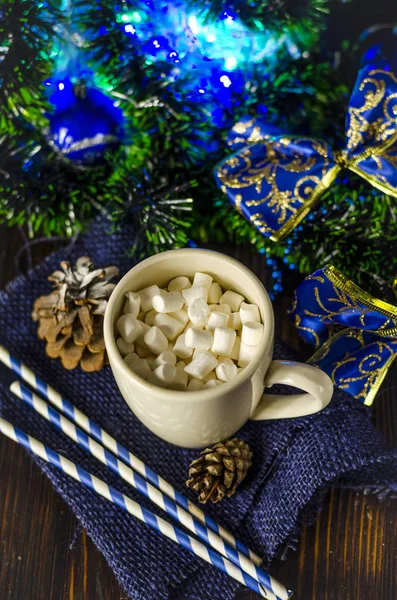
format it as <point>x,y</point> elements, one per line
<point>197,418</point>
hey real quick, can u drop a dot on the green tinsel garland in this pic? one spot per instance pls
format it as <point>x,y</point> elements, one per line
<point>26,36</point>
<point>145,197</point>
<point>149,181</point>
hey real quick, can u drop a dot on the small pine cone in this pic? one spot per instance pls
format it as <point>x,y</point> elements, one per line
<point>219,470</point>
<point>71,317</point>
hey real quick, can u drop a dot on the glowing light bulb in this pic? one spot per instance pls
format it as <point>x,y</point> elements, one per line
<point>225,80</point>
<point>129,28</point>
<point>61,86</point>
<point>136,17</point>
<point>230,63</point>
<point>125,18</point>
<point>62,134</point>
<point>193,24</point>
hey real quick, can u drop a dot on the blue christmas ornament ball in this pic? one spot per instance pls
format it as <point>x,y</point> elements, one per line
<point>85,124</point>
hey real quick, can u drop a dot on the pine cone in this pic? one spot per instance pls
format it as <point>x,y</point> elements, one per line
<point>71,317</point>
<point>219,470</point>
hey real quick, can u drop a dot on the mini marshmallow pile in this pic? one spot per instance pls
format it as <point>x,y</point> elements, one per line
<point>190,336</point>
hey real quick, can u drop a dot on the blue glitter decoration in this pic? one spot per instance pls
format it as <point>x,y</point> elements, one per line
<point>84,126</point>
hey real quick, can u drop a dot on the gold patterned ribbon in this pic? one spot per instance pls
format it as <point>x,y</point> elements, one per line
<point>274,179</point>
<point>355,334</point>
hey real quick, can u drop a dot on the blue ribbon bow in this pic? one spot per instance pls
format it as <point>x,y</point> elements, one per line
<point>274,179</point>
<point>355,334</point>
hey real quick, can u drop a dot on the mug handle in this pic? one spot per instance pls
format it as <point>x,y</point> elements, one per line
<point>317,385</point>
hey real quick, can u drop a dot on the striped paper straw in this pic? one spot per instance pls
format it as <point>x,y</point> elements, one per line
<point>126,503</point>
<point>101,436</point>
<point>147,489</point>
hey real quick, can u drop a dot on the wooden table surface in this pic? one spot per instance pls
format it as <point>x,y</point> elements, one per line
<point>350,553</point>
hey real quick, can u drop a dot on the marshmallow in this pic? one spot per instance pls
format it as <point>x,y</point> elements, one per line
<point>169,326</point>
<point>198,351</point>
<point>226,369</point>
<point>133,304</point>
<point>144,327</point>
<point>198,338</point>
<point>178,284</point>
<point>203,280</point>
<point>249,312</point>
<point>166,357</point>
<point>223,308</point>
<point>212,383</point>
<point>252,333</point>
<point>199,312</point>
<point>246,354</point>
<point>147,295</point>
<point>181,378</point>
<point>235,350</point>
<point>235,353</point>
<point>223,341</point>
<point>129,328</point>
<point>190,325</point>
<point>160,327</point>
<point>194,385</point>
<point>142,368</point>
<point>180,348</point>
<point>150,361</point>
<point>164,373</point>
<point>123,347</point>
<point>181,316</point>
<point>202,365</point>
<point>142,351</point>
<point>234,320</point>
<point>131,358</point>
<point>149,317</point>
<point>210,375</point>
<point>194,293</point>
<point>155,340</point>
<point>217,319</point>
<point>232,299</point>
<point>139,365</point>
<point>215,293</point>
<point>167,302</point>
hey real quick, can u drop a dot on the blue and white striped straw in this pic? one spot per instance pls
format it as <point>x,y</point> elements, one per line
<point>101,436</point>
<point>126,503</point>
<point>148,490</point>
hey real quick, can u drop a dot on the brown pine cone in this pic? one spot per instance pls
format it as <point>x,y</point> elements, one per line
<point>219,470</point>
<point>71,317</point>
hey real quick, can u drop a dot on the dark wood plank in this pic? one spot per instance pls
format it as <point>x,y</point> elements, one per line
<point>350,552</point>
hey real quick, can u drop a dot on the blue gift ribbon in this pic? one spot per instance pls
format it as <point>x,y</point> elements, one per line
<point>355,334</point>
<point>274,178</point>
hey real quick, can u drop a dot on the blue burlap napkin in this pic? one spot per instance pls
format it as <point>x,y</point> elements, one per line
<point>293,459</point>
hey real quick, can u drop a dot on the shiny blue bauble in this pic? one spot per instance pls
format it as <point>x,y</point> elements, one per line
<point>85,124</point>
